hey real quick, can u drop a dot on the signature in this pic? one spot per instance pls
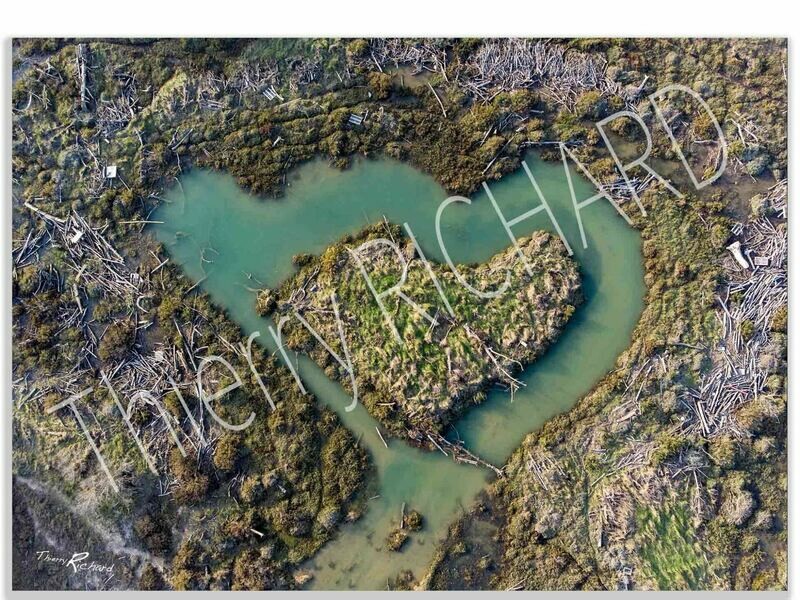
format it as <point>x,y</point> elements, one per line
<point>77,562</point>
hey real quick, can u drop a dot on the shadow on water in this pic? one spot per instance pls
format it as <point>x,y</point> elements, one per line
<point>251,243</point>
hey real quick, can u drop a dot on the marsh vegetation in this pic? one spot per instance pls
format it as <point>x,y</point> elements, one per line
<point>101,127</point>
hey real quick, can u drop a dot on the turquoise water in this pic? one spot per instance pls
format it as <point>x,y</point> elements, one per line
<point>250,243</point>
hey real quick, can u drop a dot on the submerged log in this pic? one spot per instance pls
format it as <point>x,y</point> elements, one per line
<point>380,436</point>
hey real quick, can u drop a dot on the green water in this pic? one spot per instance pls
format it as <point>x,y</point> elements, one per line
<point>253,240</point>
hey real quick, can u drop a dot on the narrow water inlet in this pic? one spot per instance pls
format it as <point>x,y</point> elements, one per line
<point>253,242</point>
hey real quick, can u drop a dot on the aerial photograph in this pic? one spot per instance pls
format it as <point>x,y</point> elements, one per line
<point>398,313</point>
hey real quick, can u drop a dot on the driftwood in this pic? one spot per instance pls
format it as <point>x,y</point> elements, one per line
<point>115,114</point>
<point>381,436</point>
<point>424,55</point>
<point>435,95</point>
<point>91,256</point>
<point>505,65</point>
<point>495,358</point>
<point>27,252</point>
<point>80,65</point>
<point>459,452</point>
<point>737,377</point>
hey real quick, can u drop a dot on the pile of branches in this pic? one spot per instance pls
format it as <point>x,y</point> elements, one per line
<point>141,382</point>
<point>114,115</point>
<point>303,73</point>
<point>27,252</point>
<point>255,77</point>
<point>511,64</point>
<point>738,376</point>
<point>690,464</point>
<point>92,258</point>
<point>455,449</point>
<point>621,192</point>
<point>146,373</point>
<point>424,55</point>
<point>94,263</point>
<point>212,88</point>
<point>95,180</point>
<point>545,469</point>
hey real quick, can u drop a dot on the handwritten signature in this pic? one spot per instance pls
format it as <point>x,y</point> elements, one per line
<point>77,562</point>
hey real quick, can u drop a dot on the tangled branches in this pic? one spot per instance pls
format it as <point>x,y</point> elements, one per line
<point>505,65</point>
<point>738,376</point>
<point>114,115</point>
<point>421,56</point>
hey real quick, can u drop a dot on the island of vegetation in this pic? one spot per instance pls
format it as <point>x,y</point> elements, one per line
<point>418,385</point>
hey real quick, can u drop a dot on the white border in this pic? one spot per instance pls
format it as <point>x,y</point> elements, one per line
<point>148,18</point>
